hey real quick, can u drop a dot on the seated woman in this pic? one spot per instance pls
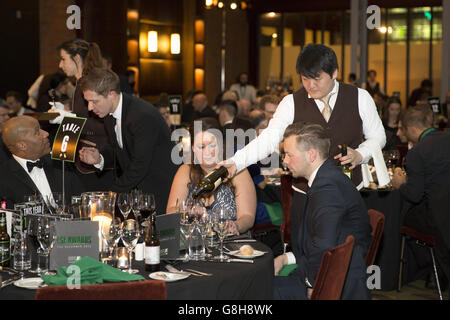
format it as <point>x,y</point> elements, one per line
<point>391,115</point>
<point>237,194</point>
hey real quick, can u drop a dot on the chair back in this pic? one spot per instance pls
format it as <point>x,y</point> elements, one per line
<point>137,290</point>
<point>333,271</point>
<point>377,223</point>
<point>286,202</point>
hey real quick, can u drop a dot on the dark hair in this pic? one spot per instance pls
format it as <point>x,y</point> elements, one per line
<point>57,78</point>
<point>17,95</point>
<point>257,117</point>
<point>196,172</point>
<point>315,58</point>
<point>419,117</point>
<point>426,83</point>
<point>89,52</point>
<point>393,99</point>
<point>352,76</point>
<point>101,81</point>
<point>229,106</point>
<point>310,135</point>
<point>372,71</point>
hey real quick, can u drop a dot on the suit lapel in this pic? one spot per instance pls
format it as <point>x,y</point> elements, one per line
<point>126,101</point>
<point>21,175</point>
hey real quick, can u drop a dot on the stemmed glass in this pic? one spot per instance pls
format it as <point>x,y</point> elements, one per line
<point>183,208</point>
<point>135,203</point>
<point>204,222</point>
<point>55,203</point>
<point>220,224</point>
<point>124,204</point>
<point>33,226</point>
<point>111,235</point>
<point>46,235</point>
<point>147,205</point>
<point>130,235</point>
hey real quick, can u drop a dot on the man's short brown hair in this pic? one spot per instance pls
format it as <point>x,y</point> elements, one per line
<point>268,98</point>
<point>101,81</point>
<point>419,117</point>
<point>310,136</point>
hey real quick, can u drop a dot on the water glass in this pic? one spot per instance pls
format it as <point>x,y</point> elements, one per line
<point>130,235</point>
<point>124,204</point>
<point>111,235</point>
<point>21,253</point>
<point>220,224</point>
<point>46,237</point>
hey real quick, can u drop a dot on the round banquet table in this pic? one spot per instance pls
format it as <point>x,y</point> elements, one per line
<point>229,281</point>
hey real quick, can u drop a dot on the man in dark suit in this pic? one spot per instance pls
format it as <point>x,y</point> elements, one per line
<point>31,170</point>
<point>141,146</point>
<point>333,210</point>
<point>4,116</point>
<point>425,184</point>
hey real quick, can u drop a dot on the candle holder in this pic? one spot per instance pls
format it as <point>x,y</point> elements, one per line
<point>121,258</point>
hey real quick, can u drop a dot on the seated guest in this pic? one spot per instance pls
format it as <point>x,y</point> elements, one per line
<point>238,194</point>
<point>259,120</point>
<point>391,115</point>
<point>201,107</point>
<point>333,210</point>
<point>16,100</point>
<point>164,110</point>
<point>269,104</point>
<point>4,116</point>
<point>227,113</point>
<point>140,146</point>
<point>427,176</point>
<point>31,170</point>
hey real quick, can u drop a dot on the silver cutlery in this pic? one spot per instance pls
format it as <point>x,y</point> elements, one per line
<point>9,281</point>
<point>200,272</point>
<point>175,270</point>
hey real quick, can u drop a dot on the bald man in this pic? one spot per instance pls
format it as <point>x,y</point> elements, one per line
<point>201,108</point>
<point>31,170</point>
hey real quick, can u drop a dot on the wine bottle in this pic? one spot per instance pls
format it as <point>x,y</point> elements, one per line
<point>5,249</point>
<point>346,167</point>
<point>152,247</point>
<point>211,181</point>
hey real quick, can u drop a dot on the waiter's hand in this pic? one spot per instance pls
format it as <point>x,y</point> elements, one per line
<point>90,155</point>
<point>353,157</point>
<point>398,178</point>
<point>231,167</point>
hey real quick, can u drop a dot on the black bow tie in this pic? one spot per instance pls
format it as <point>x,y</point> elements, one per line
<point>31,165</point>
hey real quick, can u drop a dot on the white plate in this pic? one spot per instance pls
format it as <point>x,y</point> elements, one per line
<point>168,276</point>
<point>29,283</point>
<point>237,253</point>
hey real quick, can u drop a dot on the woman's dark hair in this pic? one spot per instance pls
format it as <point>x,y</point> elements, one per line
<point>89,52</point>
<point>315,58</point>
<point>391,100</point>
<point>196,172</point>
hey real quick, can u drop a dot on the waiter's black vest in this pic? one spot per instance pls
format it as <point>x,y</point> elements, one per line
<point>344,125</point>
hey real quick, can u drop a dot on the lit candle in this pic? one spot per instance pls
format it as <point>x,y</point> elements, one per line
<point>104,223</point>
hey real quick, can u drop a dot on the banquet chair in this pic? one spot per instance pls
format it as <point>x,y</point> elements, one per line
<point>377,223</point>
<point>286,202</point>
<point>422,239</point>
<point>333,271</point>
<point>137,290</point>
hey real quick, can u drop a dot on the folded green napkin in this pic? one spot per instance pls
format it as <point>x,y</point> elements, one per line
<point>91,272</point>
<point>287,270</point>
<point>275,213</point>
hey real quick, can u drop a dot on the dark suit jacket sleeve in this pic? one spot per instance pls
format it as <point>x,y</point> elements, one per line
<point>323,221</point>
<point>145,132</point>
<point>413,189</point>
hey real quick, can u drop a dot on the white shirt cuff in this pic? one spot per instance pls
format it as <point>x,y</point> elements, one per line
<point>290,257</point>
<point>100,165</point>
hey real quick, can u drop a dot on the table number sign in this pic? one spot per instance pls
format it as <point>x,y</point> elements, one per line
<point>66,140</point>
<point>168,226</point>
<point>74,239</point>
<point>435,104</point>
<point>175,104</point>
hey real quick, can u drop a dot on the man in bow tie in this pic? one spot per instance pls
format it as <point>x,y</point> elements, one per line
<point>31,171</point>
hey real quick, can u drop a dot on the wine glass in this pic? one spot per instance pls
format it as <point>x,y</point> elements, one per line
<point>220,224</point>
<point>147,205</point>
<point>124,204</point>
<point>33,225</point>
<point>130,235</point>
<point>111,235</point>
<point>46,235</point>
<point>204,223</point>
<point>183,207</point>
<point>135,202</point>
<point>55,203</point>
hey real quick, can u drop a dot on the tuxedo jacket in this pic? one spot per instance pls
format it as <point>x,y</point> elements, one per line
<point>15,183</point>
<point>145,160</point>
<point>333,210</point>
<point>428,171</point>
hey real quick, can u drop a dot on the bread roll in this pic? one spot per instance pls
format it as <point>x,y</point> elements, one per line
<point>246,250</point>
